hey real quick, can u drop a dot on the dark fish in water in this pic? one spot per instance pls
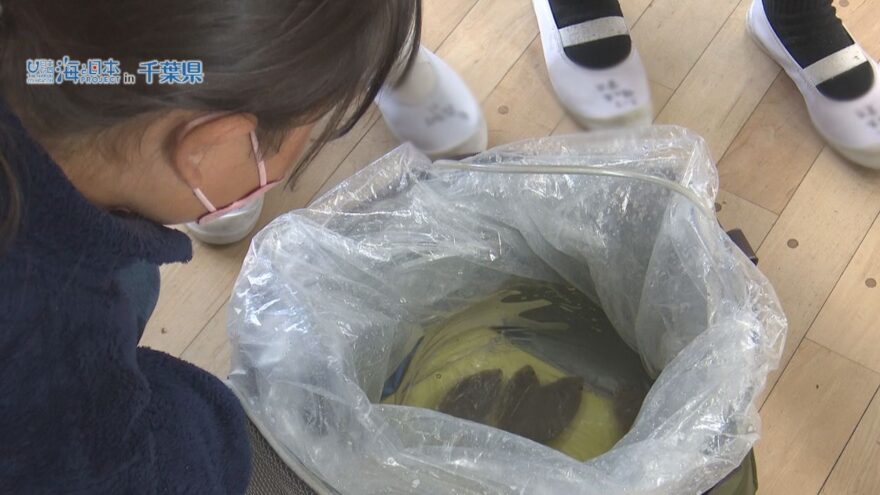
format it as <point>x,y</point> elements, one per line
<point>627,404</point>
<point>515,392</point>
<point>539,413</point>
<point>474,397</point>
<point>587,344</point>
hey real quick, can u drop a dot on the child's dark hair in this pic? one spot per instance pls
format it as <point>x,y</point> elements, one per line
<point>288,62</point>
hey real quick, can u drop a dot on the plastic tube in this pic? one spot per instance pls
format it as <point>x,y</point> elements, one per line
<point>564,169</point>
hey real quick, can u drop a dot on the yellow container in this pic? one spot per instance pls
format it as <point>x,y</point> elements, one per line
<point>446,358</point>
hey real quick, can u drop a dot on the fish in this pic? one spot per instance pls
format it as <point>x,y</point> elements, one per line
<point>538,412</point>
<point>474,397</point>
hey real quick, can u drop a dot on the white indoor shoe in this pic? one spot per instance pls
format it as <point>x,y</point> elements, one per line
<point>851,126</point>
<point>433,109</point>
<point>599,96</point>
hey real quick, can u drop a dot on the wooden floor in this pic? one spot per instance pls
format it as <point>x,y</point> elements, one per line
<point>812,217</point>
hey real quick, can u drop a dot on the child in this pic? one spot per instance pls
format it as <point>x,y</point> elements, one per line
<point>89,174</point>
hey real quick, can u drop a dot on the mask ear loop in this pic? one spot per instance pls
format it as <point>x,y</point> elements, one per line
<point>261,163</point>
<point>204,200</point>
<point>261,167</point>
<point>265,185</point>
<point>193,124</point>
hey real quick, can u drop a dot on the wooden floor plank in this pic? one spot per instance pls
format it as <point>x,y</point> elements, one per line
<point>441,17</point>
<point>523,105</point>
<point>861,20</point>
<point>849,9</point>
<point>774,150</point>
<point>660,96</point>
<point>211,349</point>
<point>858,470</point>
<point>633,10</point>
<point>376,143</point>
<point>724,87</point>
<point>736,213</point>
<point>849,323</point>
<point>566,126</point>
<point>669,53</point>
<point>809,418</point>
<point>815,238</point>
<point>486,44</point>
<point>190,295</point>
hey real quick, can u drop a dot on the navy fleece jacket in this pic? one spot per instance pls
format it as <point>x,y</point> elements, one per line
<point>83,410</point>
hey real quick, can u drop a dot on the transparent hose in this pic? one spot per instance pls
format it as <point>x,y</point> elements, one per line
<point>562,169</point>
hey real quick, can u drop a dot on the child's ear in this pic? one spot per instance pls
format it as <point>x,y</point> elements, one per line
<point>193,140</point>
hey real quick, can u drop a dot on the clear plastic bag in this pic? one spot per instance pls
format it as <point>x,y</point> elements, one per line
<point>332,298</point>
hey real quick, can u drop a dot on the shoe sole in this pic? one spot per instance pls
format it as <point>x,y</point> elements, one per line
<point>638,118</point>
<point>867,158</point>
<point>477,143</point>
